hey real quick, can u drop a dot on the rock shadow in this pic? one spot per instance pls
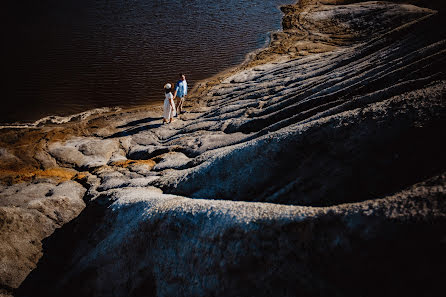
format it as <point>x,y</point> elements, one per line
<point>66,247</point>
<point>139,122</point>
<point>133,131</point>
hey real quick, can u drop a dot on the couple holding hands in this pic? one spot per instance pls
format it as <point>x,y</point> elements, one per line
<point>169,104</point>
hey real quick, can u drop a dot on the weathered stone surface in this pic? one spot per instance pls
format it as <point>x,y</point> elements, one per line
<point>150,244</point>
<point>29,212</point>
<point>85,152</point>
<point>322,175</point>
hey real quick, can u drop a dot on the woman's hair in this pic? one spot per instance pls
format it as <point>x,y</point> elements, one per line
<point>168,90</point>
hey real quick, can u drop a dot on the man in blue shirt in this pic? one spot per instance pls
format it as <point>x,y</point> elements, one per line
<point>181,92</point>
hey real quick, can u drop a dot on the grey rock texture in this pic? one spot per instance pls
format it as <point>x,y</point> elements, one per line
<point>146,243</point>
<point>316,171</point>
<point>84,152</point>
<point>29,212</point>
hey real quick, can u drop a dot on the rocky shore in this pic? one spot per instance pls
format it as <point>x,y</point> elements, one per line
<point>316,168</point>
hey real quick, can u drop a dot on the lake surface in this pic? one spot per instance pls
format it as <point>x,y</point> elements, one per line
<point>65,57</point>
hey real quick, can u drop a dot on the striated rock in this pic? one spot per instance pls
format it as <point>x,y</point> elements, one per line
<point>145,243</point>
<point>299,165</point>
<point>330,128</point>
<point>312,26</point>
<point>317,168</point>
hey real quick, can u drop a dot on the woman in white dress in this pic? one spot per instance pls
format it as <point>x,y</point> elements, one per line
<point>169,105</point>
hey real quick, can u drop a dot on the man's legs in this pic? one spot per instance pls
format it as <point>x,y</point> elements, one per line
<point>177,104</point>
<point>180,104</point>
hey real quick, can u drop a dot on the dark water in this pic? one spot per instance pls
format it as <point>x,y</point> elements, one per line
<point>65,57</point>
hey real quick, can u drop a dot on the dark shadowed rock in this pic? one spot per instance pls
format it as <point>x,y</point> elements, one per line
<point>29,212</point>
<point>146,243</point>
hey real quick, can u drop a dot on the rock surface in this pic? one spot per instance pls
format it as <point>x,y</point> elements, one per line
<point>151,244</point>
<point>317,168</point>
<point>29,212</point>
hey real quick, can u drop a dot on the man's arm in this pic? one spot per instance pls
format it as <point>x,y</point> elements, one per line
<point>176,90</point>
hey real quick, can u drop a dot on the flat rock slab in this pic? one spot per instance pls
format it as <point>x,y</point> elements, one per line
<point>84,152</point>
<point>30,212</point>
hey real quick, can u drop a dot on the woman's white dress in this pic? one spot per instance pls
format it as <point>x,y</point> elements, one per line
<point>168,112</point>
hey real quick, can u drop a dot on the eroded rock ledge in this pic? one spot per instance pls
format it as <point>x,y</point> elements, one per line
<point>317,169</point>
